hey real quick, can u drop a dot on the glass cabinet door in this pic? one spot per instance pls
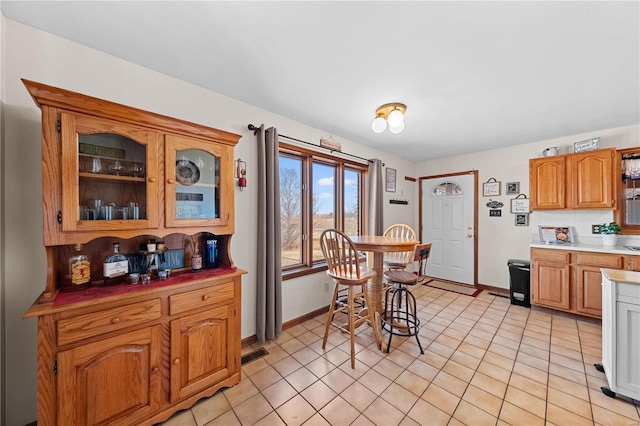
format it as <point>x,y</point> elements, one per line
<point>194,185</point>
<point>109,175</point>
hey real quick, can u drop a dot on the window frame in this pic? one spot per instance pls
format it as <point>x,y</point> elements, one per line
<point>308,158</point>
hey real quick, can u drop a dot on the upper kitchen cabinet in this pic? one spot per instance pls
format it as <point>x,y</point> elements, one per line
<point>628,187</point>
<point>109,169</point>
<point>574,181</point>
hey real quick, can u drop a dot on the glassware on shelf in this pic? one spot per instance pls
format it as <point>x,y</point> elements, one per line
<point>116,168</point>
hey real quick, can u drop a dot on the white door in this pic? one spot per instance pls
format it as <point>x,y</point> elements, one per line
<point>448,221</point>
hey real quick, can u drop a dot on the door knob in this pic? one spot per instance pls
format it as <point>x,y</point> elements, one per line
<point>470,235</point>
<point>469,227</point>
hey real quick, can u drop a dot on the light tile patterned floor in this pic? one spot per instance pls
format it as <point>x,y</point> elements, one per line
<point>486,362</point>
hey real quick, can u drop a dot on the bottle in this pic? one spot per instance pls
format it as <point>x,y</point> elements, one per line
<point>79,276</point>
<point>211,251</point>
<point>196,259</point>
<point>115,265</point>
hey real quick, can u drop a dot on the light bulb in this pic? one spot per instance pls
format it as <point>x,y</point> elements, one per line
<point>396,129</point>
<point>395,118</point>
<point>379,124</point>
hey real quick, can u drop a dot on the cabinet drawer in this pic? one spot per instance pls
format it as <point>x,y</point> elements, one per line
<point>601,260</point>
<point>204,297</point>
<point>552,255</point>
<point>83,326</point>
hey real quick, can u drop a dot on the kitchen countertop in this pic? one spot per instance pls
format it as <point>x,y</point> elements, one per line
<point>620,276</point>
<point>598,248</point>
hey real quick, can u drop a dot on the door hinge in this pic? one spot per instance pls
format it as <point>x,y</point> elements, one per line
<point>59,126</point>
<point>55,367</point>
<point>59,216</point>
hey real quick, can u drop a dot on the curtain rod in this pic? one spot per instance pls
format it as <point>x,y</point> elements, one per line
<point>255,129</point>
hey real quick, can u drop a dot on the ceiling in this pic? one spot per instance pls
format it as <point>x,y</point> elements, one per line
<point>474,75</point>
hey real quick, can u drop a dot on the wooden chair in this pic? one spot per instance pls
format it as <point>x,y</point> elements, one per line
<point>399,260</point>
<point>344,267</point>
<point>399,316</point>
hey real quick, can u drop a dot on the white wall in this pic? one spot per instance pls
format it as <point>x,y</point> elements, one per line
<point>2,383</point>
<point>39,56</point>
<point>498,238</point>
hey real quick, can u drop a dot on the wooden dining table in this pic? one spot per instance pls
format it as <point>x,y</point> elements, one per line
<point>379,245</point>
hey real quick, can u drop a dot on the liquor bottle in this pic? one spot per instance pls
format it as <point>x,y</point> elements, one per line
<point>79,274</point>
<point>211,251</point>
<point>196,259</point>
<point>115,265</point>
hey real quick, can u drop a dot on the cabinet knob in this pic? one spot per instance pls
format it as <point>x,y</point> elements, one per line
<point>176,361</point>
<point>153,179</point>
<point>171,180</point>
<point>205,297</point>
<point>115,320</point>
<point>155,370</point>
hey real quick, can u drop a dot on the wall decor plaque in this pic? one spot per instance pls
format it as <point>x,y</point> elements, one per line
<point>491,188</point>
<point>495,204</point>
<point>520,204</point>
<point>522,219</point>
<point>586,145</point>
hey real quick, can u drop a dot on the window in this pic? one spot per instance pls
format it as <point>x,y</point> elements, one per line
<point>317,192</point>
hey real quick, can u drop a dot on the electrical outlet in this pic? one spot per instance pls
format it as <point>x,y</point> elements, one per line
<point>595,229</point>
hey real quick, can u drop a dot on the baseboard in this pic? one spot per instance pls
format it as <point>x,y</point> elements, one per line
<point>289,324</point>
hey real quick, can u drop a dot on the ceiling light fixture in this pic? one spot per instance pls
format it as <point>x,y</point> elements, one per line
<point>391,114</point>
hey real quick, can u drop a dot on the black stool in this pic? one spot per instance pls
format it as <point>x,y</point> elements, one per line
<point>400,307</point>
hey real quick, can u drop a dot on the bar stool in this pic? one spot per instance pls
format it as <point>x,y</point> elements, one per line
<point>344,267</point>
<point>400,308</point>
<point>401,259</point>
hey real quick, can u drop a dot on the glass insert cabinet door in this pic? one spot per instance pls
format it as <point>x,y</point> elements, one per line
<point>109,175</point>
<point>195,192</point>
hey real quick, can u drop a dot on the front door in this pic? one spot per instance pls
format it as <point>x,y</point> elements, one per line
<point>448,222</point>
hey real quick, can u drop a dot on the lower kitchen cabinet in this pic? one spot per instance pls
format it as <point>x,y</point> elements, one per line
<point>135,358</point>
<point>570,281</point>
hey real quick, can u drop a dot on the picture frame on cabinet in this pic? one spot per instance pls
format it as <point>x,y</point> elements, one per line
<point>390,180</point>
<point>491,188</point>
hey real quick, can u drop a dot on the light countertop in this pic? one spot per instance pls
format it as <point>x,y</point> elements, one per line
<point>598,248</point>
<point>621,276</point>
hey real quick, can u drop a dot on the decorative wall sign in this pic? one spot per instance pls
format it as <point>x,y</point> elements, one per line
<point>512,188</point>
<point>390,180</point>
<point>522,219</point>
<point>495,213</point>
<point>495,204</point>
<point>586,145</point>
<point>491,188</point>
<point>520,204</point>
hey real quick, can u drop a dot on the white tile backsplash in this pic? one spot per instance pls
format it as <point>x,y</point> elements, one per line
<point>580,220</point>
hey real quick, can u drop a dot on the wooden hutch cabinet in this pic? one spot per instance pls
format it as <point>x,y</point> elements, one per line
<point>120,353</point>
<point>574,181</point>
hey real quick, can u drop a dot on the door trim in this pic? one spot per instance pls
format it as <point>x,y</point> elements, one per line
<point>475,212</point>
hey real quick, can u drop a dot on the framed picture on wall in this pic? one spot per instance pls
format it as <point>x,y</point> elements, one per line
<point>512,188</point>
<point>491,188</point>
<point>390,180</point>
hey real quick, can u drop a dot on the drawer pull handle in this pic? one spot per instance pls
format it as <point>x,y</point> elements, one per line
<point>115,320</point>
<point>205,297</point>
<point>171,180</point>
<point>153,179</point>
<point>176,361</point>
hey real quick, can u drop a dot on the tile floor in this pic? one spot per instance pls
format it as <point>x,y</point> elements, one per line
<point>486,362</point>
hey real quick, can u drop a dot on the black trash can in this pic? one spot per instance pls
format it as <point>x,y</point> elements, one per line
<point>520,271</point>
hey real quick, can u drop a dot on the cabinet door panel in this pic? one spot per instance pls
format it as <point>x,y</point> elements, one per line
<point>592,180</point>
<point>628,354</point>
<point>110,175</point>
<point>202,351</point>
<point>547,177</point>
<point>551,284</point>
<point>589,290</point>
<point>198,181</point>
<point>110,380</point>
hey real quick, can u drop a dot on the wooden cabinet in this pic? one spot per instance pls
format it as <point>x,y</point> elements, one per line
<point>551,278</point>
<point>118,353</point>
<point>570,281</point>
<point>575,181</point>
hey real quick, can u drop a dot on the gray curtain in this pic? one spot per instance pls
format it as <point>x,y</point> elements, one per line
<point>375,197</point>
<point>269,273</point>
